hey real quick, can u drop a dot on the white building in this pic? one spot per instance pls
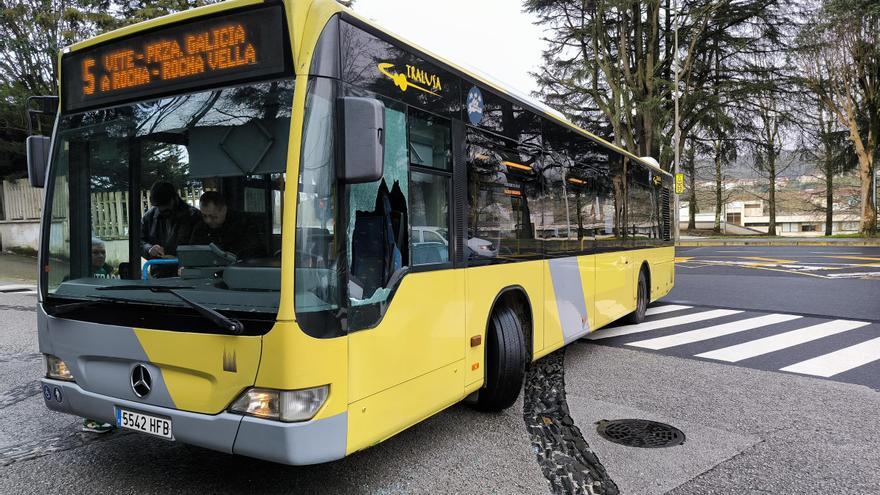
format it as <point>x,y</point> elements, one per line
<point>752,215</point>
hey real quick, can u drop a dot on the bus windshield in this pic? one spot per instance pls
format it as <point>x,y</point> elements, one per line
<point>184,191</point>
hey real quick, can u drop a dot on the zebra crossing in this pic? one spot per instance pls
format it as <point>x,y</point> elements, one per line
<point>839,349</point>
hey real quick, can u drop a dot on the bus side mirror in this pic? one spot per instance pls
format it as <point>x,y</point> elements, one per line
<point>363,135</point>
<point>37,159</point>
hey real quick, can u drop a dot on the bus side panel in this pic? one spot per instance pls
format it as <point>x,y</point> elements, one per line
<point>615,289</point>
<point>662,265</point>
<point>483,286</point>
<point>380,416</point>
<point>569,300</point>
<point>422,331</point>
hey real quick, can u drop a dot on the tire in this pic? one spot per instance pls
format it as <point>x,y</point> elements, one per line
<point>638,315</point>
<point>506,361</point>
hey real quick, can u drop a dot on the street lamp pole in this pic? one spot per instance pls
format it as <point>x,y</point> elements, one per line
<point>677,137</point>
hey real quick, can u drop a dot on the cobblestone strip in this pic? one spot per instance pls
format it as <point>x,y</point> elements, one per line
<point>562,452</point>
<point>17,394</point>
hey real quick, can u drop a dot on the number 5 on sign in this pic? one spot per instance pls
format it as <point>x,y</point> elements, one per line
<point>679,183</point>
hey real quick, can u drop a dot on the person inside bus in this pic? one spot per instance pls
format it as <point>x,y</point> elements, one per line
<point>100,267</point>
<point>228,229</point>
<point>167,224</point>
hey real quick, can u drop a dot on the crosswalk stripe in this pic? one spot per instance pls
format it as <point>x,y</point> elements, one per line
<point>781,341</point>
<point>712,332</point>
<point>658,324</point>
<point>668,308</point>
<point>839,361</point>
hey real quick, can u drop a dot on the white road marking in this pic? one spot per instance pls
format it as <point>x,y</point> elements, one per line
<point>668,308</point>
<point>837,362</point>
<point>781,341</point>
<point>657,324</point>
<point>712,332</point>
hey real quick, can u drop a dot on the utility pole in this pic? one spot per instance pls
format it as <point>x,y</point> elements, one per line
<point>677,127</point>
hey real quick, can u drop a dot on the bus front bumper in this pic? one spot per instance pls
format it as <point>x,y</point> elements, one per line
<point>309,442</point>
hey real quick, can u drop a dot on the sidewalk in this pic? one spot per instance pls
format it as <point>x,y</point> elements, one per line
<point>689,241</point>
<point>15,268</point>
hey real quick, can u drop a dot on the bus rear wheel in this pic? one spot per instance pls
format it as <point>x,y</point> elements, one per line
<point>638,316</point>
<point>505,361</point>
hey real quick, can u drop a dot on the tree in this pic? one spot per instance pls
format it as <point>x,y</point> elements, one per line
<point>611,61</point>
<point>766,116</point>
<point>31,35</point>
<point>828,145</point>
<point>690,169</point>
<point>839,51</point>
<point>132,11</point>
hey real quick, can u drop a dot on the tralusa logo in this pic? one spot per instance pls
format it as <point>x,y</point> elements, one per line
<point>413,78</point>
<point>141,381</point>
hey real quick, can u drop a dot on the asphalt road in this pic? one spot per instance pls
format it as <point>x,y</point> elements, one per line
<point>751,427</point>
<point>842,282</point>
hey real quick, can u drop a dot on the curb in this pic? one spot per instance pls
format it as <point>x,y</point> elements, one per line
<point>779,242</point>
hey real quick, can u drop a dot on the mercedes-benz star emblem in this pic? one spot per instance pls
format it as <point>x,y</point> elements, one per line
<point>141,382</point>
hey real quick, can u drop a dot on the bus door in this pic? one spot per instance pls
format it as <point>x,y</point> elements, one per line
<point>406,303</point>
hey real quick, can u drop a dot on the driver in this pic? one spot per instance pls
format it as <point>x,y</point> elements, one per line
<point>166,225</point>
<point>228,229</point>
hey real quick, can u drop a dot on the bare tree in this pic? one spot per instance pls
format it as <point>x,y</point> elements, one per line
<point>840,57</point>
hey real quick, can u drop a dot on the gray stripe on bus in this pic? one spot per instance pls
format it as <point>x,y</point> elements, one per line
<point>570,301</point>
<point>110,353</point>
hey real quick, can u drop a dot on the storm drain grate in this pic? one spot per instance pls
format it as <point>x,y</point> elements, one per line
<point>640,433</point>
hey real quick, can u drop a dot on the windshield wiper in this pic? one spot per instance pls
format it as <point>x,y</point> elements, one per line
<point>232,325</point>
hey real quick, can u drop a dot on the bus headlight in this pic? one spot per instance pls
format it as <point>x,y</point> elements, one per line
<point>281,405</point>
<point>57,369</point>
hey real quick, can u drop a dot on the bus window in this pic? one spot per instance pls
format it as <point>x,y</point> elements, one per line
<point>316,256</point>
<point>231,141</point>
<point>377,227</point>
<point>503,180</point>
<point>430,162</point>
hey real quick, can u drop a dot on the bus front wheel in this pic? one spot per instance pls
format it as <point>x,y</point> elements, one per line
<point>505,361</point>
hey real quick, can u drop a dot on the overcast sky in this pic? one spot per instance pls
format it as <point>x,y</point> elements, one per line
<point>493,36</point>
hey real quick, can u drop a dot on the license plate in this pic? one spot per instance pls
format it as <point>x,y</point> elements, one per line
<point>144,423</point>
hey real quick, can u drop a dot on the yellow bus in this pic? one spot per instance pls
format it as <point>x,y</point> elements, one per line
<point>384,232</point>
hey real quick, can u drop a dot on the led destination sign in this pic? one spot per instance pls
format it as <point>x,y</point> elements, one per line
<point>220,50</point>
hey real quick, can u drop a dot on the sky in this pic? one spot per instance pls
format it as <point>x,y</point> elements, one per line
<point>492,36</point>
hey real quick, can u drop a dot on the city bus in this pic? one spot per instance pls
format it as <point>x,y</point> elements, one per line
<point>417,233</point>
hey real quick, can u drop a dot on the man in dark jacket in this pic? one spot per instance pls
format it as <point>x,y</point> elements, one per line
<point>230,230</point>
<point>166,225</point>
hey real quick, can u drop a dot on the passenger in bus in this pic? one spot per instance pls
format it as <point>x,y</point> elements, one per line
<point>167,224</point>
<point>100,267</point>
<point>230,230</point>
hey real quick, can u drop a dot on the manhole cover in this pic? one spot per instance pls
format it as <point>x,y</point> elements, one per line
<point>640,433</point>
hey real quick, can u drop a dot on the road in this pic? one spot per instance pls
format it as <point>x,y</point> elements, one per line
<point>736,357</point>
<point>825,281</point>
